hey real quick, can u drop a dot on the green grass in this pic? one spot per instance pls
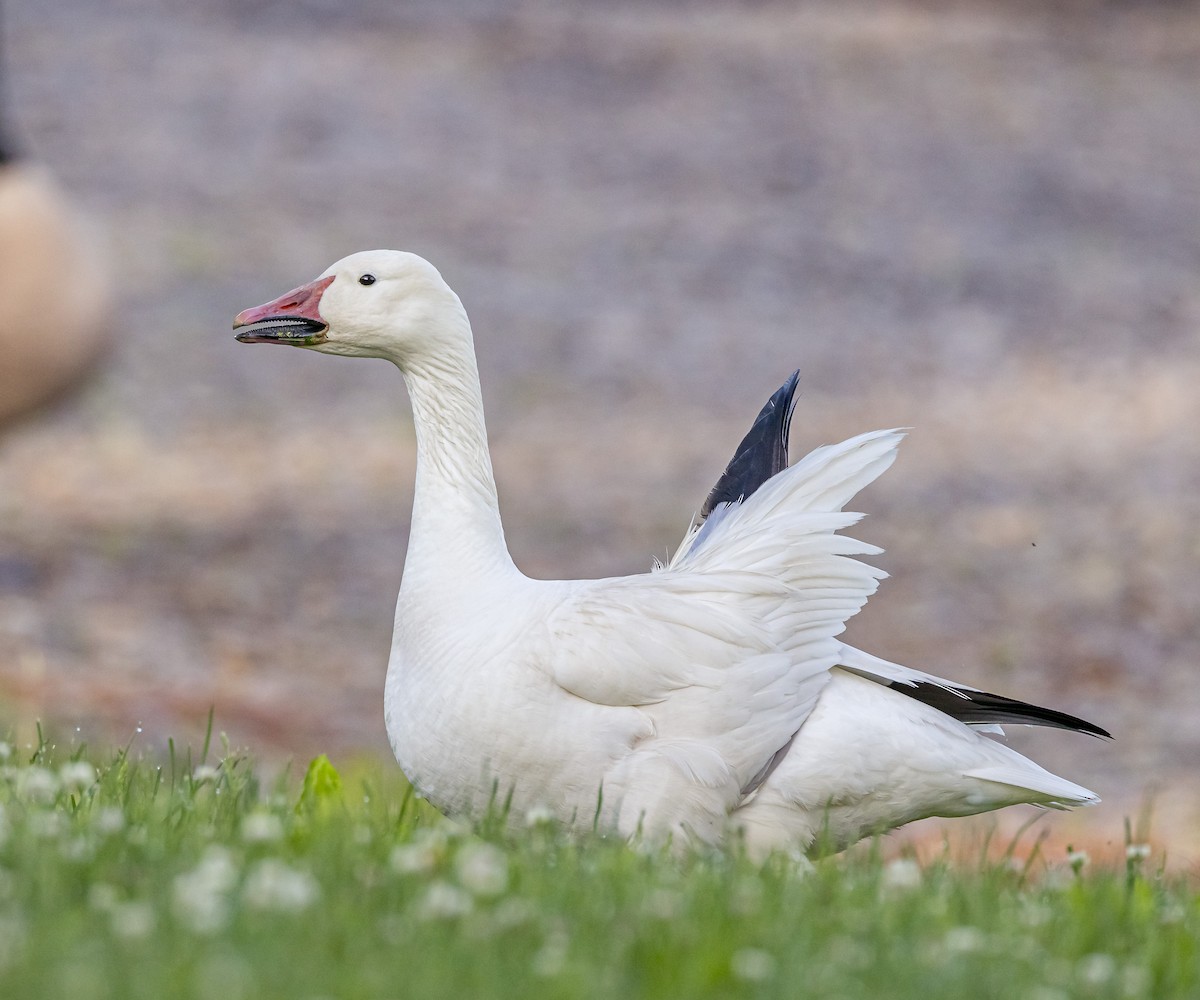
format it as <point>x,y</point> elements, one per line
<point>126,878</point>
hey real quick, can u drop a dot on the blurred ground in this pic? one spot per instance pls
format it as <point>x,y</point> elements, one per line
<point>979,220</point>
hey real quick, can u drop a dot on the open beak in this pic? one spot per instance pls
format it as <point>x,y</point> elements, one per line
<point>293,318</point>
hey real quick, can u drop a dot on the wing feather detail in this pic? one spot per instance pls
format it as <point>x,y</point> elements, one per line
<point>727,649</point>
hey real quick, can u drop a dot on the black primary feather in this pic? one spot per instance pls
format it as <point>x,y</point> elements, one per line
<point>974,707</point>
<point>762,453</point>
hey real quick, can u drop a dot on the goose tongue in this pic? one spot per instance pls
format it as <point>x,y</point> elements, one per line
<point>293,318</point>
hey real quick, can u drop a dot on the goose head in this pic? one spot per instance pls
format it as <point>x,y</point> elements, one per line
<point>374,304</point>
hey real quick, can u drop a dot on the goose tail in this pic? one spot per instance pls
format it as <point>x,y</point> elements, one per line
<point>1042,787</point>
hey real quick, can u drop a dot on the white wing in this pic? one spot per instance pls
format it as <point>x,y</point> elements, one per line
<point>727,648</point>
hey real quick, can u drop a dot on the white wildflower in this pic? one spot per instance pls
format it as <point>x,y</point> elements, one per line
<point>901,873</point>
<point>964,939</point>
<point>551,958</point>
<point>273,885</point>
<point>422,854</point>
<point>436,836</point>
<point>1097,968</point>
<point>262,828</point>
<point>482,869</point>
<point>539,815</point>
<point>216,869</point>
<point>45,825</point>
<point>1078,860</point>
<point>447,830</point>
<point>443,901</point>
<point>38,784</point>
<point>204,772</point>
<point>78,849</point>
<point>412,859</point>
<point>204,913</point>
<point>752,965</point>
<point>77,774</point>
<point>109,820</point>
<point>1171,913</point>
<point>132,920</point>
<point>1057,878</point>
<point>201,896</point>
<point>1137,852</point>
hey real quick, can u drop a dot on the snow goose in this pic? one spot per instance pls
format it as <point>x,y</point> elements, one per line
<point>706,699</point>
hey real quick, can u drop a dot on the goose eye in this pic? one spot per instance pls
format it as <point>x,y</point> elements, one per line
<point>366,279</point>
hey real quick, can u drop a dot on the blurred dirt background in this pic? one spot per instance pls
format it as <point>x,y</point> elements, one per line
<point>980,220</point>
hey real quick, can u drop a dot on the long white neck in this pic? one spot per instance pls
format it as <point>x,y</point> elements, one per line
<point>456,534</point>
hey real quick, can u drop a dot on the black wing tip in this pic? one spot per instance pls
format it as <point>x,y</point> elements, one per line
<point>762,453</point>
<point>980,707</point>
<point>786,396</point>
<point>1087,728</point>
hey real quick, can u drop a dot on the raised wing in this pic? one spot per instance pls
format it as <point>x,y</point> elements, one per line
<point>726,649</point>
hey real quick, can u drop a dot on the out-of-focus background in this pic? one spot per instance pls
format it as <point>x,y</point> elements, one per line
<point>981,220</point>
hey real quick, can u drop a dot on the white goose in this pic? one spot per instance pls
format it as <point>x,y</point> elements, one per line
<point>706,699</point>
